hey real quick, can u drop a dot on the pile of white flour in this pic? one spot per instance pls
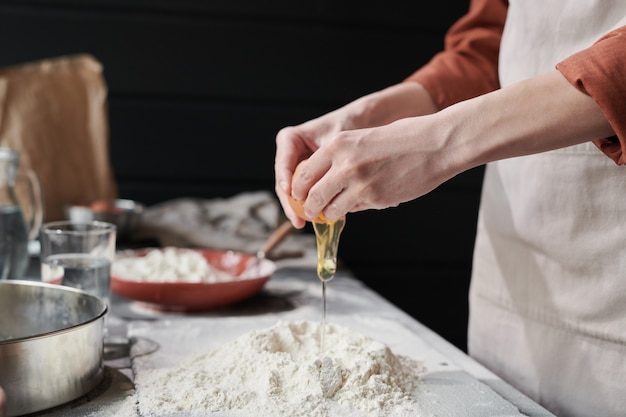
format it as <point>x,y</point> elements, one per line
<point>281,371</point>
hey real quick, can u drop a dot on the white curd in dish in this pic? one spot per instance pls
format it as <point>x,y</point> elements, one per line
<point>168,264</point>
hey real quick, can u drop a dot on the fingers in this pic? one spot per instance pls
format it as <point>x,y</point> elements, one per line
<point>290,150</point>
<point>296,221</point>
<point>315,183</point>
<point>306,174</point>
<point>302,171</point>
<point>344,202</point>
<point>284,159</point>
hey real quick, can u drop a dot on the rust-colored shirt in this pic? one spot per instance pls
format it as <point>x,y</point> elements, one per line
<point>468,67</point>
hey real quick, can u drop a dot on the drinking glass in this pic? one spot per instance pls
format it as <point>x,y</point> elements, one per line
<point>79,255</point>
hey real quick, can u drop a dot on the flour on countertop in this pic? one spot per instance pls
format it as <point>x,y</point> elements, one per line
<point>280,371</point>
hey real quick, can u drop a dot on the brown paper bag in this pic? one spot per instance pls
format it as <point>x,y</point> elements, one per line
<point>54,112</point>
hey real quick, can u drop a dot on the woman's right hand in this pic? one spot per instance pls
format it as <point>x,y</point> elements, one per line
<point>297,143</point>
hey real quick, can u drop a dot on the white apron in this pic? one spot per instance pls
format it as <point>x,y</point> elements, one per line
<point>548,292</point>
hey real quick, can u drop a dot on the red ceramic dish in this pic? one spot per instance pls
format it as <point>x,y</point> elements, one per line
<point>198,296</point>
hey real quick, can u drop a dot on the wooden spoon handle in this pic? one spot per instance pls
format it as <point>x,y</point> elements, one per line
<point>275,238</point>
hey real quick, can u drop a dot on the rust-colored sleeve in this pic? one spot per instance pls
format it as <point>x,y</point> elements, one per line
<point>600,72</point>
<point>468,65</point>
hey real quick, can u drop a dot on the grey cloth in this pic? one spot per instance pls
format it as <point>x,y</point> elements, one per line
<point>241,222</point>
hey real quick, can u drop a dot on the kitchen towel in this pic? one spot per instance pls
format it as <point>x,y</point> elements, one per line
<point>241,222</point>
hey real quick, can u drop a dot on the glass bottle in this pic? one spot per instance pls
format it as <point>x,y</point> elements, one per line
<point>17,228</point>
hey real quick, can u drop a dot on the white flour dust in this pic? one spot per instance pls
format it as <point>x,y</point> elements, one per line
<point>280,372</point>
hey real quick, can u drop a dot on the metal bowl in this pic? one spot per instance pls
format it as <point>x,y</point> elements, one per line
<point>124,214</point>
<point>51,344</point>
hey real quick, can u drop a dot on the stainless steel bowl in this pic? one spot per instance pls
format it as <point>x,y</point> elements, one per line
<point>51,344</point>
<point>124,214</point>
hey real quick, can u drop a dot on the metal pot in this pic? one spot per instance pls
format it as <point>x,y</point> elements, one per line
<point>124,214</point>
<point>51,344</point>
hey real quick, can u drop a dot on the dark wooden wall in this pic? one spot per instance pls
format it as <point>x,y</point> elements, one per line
<point>198,90</point>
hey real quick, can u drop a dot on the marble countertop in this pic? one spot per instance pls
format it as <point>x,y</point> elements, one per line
<point>141,338</point>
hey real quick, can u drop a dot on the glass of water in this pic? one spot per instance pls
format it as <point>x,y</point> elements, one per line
<point>79,255</point>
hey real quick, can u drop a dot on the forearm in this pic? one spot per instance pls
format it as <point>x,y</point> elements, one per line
<point>399,101</point>
<point>536,115</point>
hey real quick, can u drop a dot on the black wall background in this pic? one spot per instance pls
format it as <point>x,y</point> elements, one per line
<point>198,90</point>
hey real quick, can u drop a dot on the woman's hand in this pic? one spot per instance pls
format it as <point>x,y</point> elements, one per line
<point>376,168</point>
<point>294,144</point>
